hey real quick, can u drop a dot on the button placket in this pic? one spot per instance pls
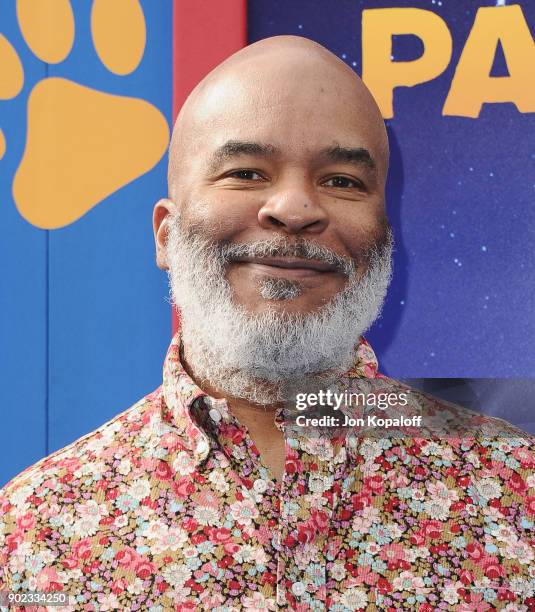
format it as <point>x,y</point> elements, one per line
<point>303,586</point>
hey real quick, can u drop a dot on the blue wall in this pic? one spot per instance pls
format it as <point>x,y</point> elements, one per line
<point>84,322</point>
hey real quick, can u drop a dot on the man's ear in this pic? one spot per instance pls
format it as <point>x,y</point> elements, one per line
<point>161,217</point>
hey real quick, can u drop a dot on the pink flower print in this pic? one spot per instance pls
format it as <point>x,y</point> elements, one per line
<point>126,557</point>
<point>407,581</point>
<point>475,551</point>
<point>244,511</point>
<point>475,604</point>
<point>258,602</point>
<point>170,441</point>
<point>517,483</point>
<point>365,575</point>
<point>293,463</point>
<point>370,370</point>
<point>392,552</point>
<point>208,498</point>
<point>71,464</point>
<point>144,569</point>
<point>47,579</point>
<point>306,532</point>
<point>14,540</point>
<point>231,548</point>
<point>530,505</point>
<point>211,600</point>
<point>163,471</point>
<point>320,520</point>
<point>374,484</point>
<point>82,548</point>
<point>526,457</point>
<point>218,535</point>
<point>492,567</point>
<point>26,521</point>
<point>441,492</point>
<point>431,529</point>
<point>70,563</point>
<point>183,487</point>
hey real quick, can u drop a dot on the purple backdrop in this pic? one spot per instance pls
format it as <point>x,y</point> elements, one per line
<point>460,199</point>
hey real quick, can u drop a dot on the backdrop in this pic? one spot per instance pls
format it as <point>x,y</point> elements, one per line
<point>88,92</point>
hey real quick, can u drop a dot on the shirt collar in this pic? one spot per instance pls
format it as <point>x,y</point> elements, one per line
<point>190,407</point>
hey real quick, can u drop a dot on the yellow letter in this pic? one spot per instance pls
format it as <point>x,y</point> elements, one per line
<point>379,72</point>
<point>472,85</point>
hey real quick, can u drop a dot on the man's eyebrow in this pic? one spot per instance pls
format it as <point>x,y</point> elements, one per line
<point>356,155</point>
<point>234,148</point>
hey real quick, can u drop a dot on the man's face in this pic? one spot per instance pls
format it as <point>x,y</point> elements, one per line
<point>275,237</point>
<point>295,164</point>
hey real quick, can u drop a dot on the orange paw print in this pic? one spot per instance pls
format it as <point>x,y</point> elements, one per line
<point>82,144</point>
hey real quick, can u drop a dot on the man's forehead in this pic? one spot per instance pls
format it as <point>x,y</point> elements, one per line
<point>277,71</point>
<point>279,85</point>
<point>273,110</point>
<point>256,83</point>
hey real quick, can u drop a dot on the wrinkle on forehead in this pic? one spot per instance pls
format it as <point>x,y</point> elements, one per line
<point>267,70</point>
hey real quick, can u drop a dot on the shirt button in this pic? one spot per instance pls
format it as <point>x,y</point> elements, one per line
<point>298,589</point>
<point>202,446</point>
<point>259,485</point>
<point>215,415</point>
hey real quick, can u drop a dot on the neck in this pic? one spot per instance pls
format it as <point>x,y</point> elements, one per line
<point>239,405</point>
<point>257,419</point>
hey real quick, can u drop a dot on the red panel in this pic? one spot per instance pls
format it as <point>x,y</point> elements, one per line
<point>205,32</point>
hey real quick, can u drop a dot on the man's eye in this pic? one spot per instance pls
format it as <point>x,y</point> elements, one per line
<point>343,182</point>
<point>246,175</point>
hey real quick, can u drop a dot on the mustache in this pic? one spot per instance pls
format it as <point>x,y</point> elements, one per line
<point>279,247</point>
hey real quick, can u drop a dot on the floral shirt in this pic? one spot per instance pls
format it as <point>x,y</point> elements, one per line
<point>169,507</point>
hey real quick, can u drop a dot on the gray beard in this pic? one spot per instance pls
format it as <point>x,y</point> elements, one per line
<point>266,358</point>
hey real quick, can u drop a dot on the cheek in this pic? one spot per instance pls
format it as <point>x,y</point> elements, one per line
<point>222,216</point>
<point>361,231</point>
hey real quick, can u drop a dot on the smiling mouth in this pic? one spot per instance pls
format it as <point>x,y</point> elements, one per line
<point>288,267</point>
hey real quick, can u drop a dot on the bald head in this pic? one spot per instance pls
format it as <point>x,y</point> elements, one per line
<point>285,76</point>
<point>278,156</point>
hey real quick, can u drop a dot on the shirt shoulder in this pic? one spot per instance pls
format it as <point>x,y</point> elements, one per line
<point>77,481</point>
<point>450,418</point>
<point>114,435</point>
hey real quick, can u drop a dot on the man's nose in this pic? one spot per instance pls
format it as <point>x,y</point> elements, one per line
<point>293,210</point>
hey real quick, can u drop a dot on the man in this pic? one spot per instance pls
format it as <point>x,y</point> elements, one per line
<point>207,494</point>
